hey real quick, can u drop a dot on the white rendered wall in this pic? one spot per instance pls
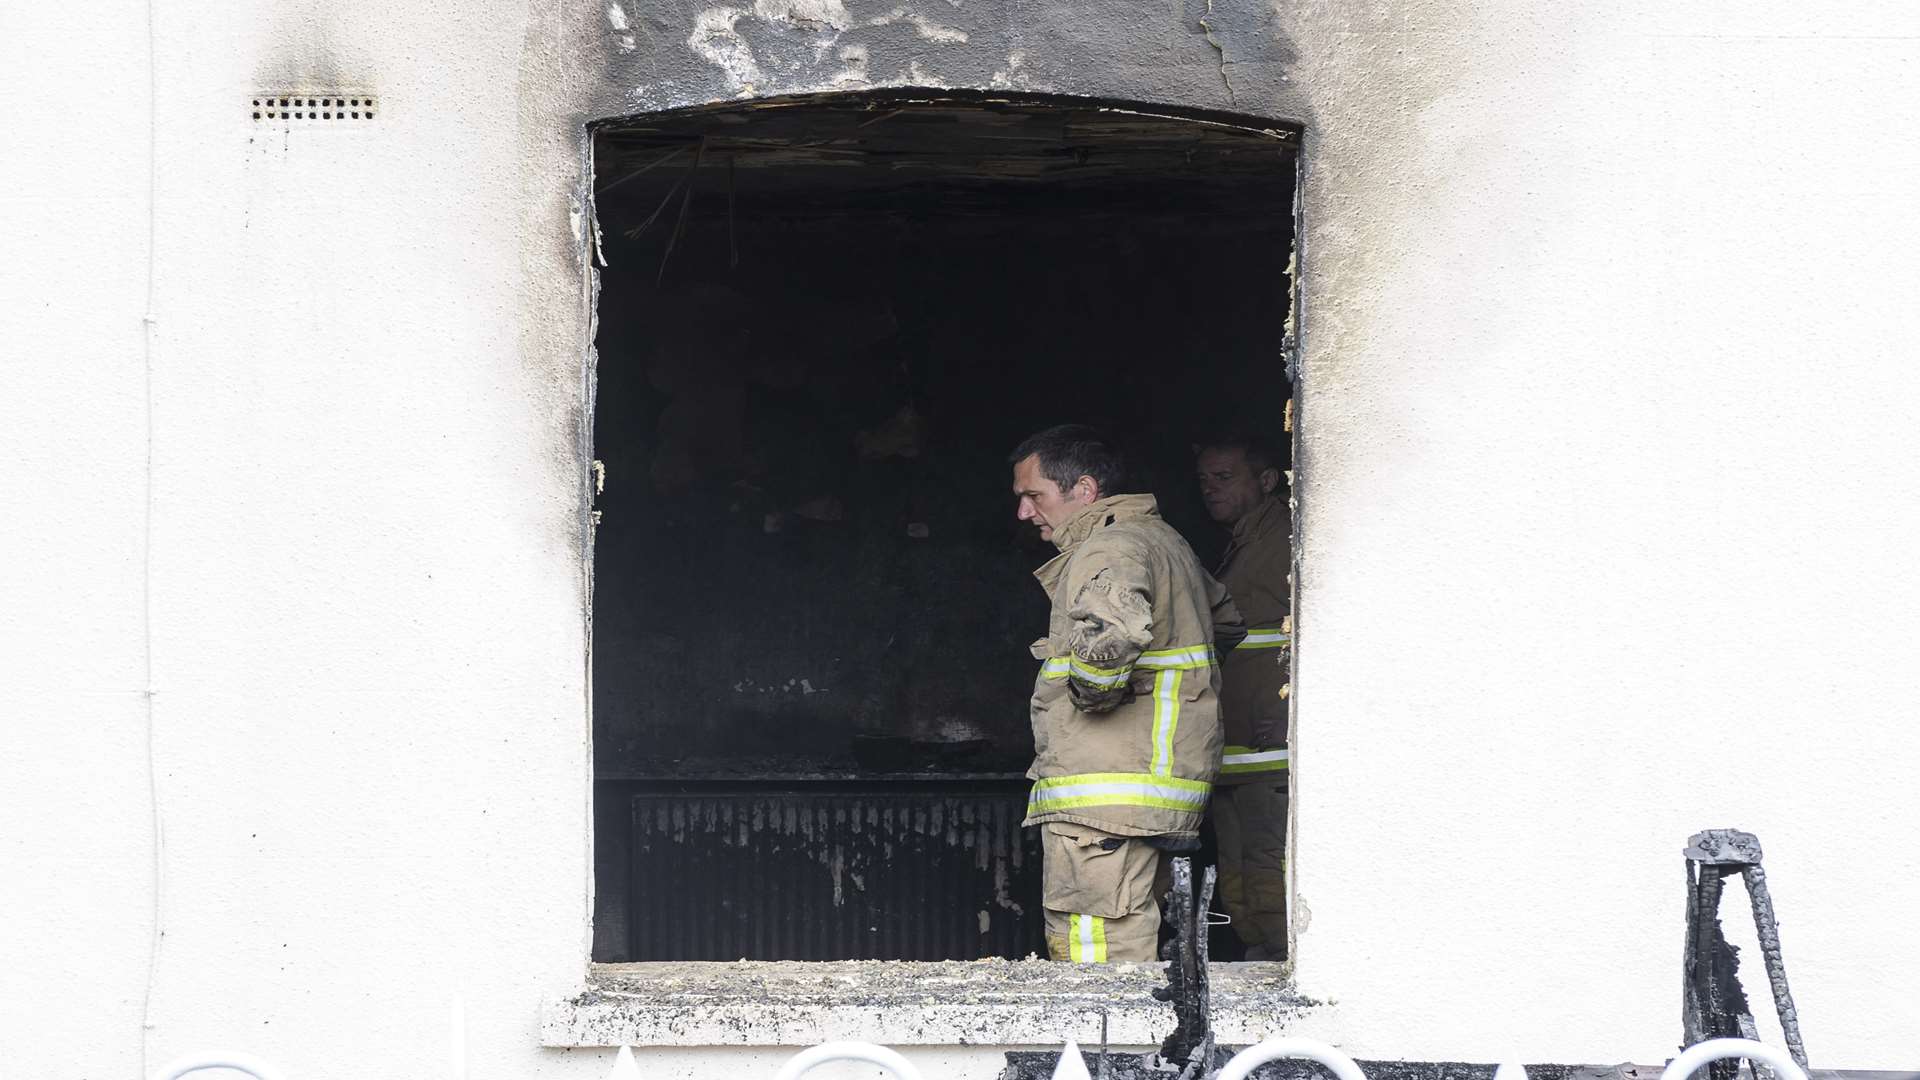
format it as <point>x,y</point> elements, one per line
<point>1607,484</point>
<point>75,847</point>
<point>1610,496</point>
<point>368,714</point>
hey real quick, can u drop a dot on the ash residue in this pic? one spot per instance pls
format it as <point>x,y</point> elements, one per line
<point>1039,1065</point>
<point>889,982</point>
<point>869,982</point>
<point>950,1003</point>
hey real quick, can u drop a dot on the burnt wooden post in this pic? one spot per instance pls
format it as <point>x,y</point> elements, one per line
<point>1191,1042</point>
<point>1713,1005</point>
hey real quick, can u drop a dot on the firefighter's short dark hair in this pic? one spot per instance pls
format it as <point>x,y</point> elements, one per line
<point>1260,452</point>
<point>1068,452</point>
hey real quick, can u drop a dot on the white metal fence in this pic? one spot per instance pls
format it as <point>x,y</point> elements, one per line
<point>1073,1067</point>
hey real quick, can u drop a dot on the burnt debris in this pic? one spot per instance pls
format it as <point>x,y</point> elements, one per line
<point>1713,1003</point>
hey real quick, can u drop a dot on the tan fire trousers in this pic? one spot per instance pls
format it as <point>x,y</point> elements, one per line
<point>1250,826</point>
<point>1101,894</point>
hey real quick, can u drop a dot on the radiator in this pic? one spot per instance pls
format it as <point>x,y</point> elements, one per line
<point>815,871</point>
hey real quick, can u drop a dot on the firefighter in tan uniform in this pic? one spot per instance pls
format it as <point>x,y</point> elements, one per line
<point>1126,722</point>
<point>1240,482</point>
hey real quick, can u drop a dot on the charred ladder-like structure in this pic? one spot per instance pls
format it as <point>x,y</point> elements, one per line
<point>1713,1003</point>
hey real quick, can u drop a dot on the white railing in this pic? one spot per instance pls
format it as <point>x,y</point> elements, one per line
<point>246,1063</point>
<point>1072,1066</point>
<point>1699,1054</point>
<point>1243,1063</point>
<point>890,1060</point>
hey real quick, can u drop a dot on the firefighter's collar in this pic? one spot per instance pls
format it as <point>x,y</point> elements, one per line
<point>1094,515</point>
<point>1100,514</point>
<point>1256,521</point>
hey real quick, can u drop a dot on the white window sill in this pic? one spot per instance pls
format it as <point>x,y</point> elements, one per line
<point>953,1003</point>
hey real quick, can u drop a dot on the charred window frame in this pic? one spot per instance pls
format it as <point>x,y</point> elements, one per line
<point>698,211</point>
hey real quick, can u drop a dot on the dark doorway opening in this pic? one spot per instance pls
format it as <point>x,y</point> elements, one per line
<point>823,323</point>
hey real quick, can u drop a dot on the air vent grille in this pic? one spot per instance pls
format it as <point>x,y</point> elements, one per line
<point>324,107</point>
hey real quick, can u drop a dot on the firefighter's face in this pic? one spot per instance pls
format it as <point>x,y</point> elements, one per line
<point>1041,500</point>
<point>1230,485</point>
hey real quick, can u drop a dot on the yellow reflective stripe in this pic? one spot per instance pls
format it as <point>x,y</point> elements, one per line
<point>1082,802</point>
<point>1096,676</point>
<point>1247,759</point>
<point>1182,659</point>
<point>1265,638</point>
<point>1117,789</point>
<point>1086,939</point>
<point>1232,751</point>
<point>1190,656</point>
<point>1166,717</point>
<point>1171,783</point>
<point>1058,667</point>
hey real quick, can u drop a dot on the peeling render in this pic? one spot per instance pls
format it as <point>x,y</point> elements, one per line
<point>925,27</point>
<point>854,73</point>
<point>716,42</point>
<point>805,14</point>
<point>1206,28</point>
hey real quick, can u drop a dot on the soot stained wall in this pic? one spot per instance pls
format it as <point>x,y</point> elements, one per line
<point>808,535</point>
<point>1218,54</point>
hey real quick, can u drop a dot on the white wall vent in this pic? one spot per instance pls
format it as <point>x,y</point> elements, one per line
<point>334,107</point>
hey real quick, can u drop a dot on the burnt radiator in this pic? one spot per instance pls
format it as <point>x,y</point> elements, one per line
<point>818,871</point>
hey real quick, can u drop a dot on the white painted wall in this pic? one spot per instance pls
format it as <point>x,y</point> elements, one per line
<point>367,696</point>
<point>1606,480</point>
<point>75,846</point>
<point>1610,499</point>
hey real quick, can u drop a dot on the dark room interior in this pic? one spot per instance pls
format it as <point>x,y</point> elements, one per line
<point>823,323</point>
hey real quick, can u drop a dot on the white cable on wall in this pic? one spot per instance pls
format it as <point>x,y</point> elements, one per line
<point>148,322</point>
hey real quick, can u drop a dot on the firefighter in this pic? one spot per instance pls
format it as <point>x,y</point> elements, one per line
<point>1126,721</point>
<point>1240,481</point>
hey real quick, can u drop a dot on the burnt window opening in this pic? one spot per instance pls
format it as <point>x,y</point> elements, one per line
<point>823,323</point>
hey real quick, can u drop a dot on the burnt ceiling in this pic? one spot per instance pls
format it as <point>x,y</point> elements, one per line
<point>861,154</point>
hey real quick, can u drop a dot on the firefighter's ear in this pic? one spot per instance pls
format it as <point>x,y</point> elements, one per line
<point>1269,480</point>
<point>1087,488</point>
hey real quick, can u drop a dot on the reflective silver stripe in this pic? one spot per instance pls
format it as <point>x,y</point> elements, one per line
<point>1072,779</point>
<point>1092,676</point>
<point>1161,659</point>
<point>1064,792</point>
<point>1166,716</point>
<point>1258,639</point>
<point>1086,939</point>
<point>1196,656</point>
<point>1057,667</point>
<point>1255,758</point>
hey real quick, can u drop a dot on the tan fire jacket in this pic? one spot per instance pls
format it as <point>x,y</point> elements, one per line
<point>1126,718</point>
<point>1253,701</point>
